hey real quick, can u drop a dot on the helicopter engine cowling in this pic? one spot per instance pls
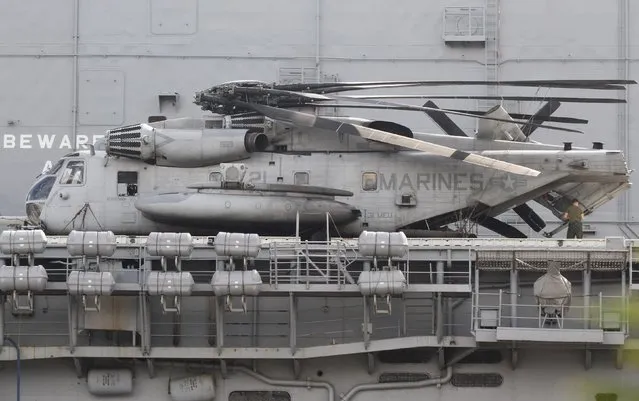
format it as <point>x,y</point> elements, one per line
<point>490,129</point>
<point>184,147</point>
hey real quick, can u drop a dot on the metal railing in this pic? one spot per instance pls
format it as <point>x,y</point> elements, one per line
<point>633,264</point>
<point>311,262</point>
<point>598,311</point>
<point>445,273</point>
<point>338,262</point>
<point>318,321</point>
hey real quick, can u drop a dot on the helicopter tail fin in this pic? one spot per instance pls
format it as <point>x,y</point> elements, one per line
<point>524,211</point>
<point>497,130</point>
<point>490,129</point>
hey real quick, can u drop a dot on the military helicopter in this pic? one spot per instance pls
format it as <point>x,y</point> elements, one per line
<point>267,162</point>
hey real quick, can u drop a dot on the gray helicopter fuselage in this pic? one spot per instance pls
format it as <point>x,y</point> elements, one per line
<point>390,188</point>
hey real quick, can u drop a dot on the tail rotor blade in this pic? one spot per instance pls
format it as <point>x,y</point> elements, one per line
<point>444,122</point>
<point>546,111</point>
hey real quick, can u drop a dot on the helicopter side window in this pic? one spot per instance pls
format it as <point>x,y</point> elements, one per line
<point>73,173</point>
<point>301,178</point>
<point>369,181</point>
<point>215,176</point>
<point>127,183</point>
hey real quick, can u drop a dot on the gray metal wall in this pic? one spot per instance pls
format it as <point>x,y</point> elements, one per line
<point>109,60</point>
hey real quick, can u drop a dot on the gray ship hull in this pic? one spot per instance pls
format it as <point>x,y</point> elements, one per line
<point>70,70</point>
<point>551,375</point>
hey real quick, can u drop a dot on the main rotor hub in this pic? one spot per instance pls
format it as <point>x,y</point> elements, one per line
<point>227,98</point>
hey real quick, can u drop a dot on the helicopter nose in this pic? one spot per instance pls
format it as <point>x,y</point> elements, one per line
<point>37,196</point>
<point>34,210</point>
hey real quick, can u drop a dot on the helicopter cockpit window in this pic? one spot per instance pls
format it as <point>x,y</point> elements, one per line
<point>127,183</point>
<point>55,168</point>
<point>369,181</point>
<point>73,173</point>
<point>41,189</point>
<point>301,178</point>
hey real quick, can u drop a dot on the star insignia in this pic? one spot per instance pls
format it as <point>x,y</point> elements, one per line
<point>509,183</point>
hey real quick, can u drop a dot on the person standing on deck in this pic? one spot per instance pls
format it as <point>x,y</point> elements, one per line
<point>575,216</point>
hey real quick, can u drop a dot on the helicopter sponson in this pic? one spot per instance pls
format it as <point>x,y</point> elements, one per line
<point>261,205</point>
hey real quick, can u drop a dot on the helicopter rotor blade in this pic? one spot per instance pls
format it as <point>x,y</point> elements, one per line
<point>569,84</point>
<point>530,217</point>
<point>367,87</point>
<point>528,117</point>
<point>313,121</point>
<point>515,116</point>
<point>315,97</point>
<point>514,98</point>
<point>418,108</point>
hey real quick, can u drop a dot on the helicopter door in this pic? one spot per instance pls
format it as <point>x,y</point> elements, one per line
<point>127,191</point>
<point>71,199</point>
<point>127,183</point>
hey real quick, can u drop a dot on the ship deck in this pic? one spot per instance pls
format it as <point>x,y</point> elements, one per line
<point>312,301</point>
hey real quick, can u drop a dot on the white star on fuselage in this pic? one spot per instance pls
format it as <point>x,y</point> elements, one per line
<point>509,183</point>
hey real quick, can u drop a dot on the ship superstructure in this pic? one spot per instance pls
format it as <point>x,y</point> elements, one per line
<point>243,317</point>
<point>95,316</point>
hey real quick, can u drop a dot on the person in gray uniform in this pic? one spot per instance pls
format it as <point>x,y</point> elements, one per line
<point>575,216</point>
